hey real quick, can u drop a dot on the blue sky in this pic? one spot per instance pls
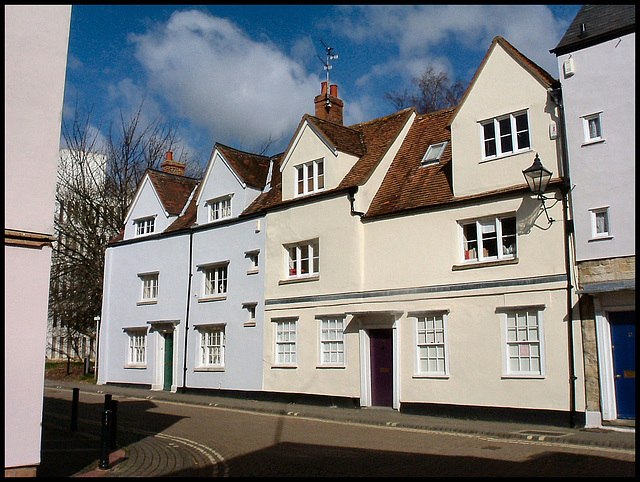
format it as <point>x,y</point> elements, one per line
<point>241,75</point>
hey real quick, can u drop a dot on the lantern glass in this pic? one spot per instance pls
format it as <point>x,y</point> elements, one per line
<point>537,176</point>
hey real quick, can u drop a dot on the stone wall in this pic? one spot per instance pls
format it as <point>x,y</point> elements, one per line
<point>609,269</point>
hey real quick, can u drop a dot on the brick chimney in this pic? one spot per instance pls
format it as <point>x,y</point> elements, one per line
<point>172,167</point>
<point>328,106</point>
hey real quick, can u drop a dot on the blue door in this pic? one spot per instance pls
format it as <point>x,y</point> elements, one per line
<point>623,341</point>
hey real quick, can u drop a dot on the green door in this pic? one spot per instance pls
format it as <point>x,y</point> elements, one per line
<point>168,360</point>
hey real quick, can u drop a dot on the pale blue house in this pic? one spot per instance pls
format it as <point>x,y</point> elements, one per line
<point>184,281</point>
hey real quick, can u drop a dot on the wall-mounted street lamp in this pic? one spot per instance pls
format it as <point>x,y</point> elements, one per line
<point>537,178</point>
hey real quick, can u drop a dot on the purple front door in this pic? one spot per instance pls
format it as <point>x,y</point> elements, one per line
<point>381,368</point>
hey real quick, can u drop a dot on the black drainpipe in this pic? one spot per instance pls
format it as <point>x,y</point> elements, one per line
<point>186,321</point>
<point>352,200</point>
<point>556,95</point>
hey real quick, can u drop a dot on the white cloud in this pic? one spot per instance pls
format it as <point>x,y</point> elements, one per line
<point>430,32</point>
<point>212,73</point>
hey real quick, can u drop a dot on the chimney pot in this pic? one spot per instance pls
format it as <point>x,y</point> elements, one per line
<point>328,106</point>
<point>172,167</point>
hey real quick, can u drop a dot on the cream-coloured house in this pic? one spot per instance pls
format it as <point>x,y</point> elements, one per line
<point>400,262</point>
<point>409,265</point>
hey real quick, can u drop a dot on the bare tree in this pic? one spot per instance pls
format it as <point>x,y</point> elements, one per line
<point>433,92</point>
<point>97,179</point>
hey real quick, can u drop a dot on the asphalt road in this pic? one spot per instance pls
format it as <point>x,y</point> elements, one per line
<point>239,443</point>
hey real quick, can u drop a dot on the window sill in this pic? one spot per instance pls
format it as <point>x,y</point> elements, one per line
<point>323,367</point>
<point>503,156</point>
<point>284,366</point>
<point>441,376</point>
<point>599,238</point>
<point>249,323</point>
<point>206,299</point>
<point>524,376</point>
<point>302,279</point>
<point>209,369</point>
<point>135,367</point>
<point>484,264</point>
<point>591,143</point>
<point>253,271</point>
<point>147,302</point>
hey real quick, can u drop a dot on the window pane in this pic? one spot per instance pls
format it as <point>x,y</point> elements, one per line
<point>489,239</point>
<point>602,222</point>
<point>506,142</point>
<point>508,236</point>
<point>320,167</point>
<point>594,128</point>
<point>470,241</point>
<point>522,128</point>
<point>309,168</point>
<point>489,139</point>
<point>300,179</point>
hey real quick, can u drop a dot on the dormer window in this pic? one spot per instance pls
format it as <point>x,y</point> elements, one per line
<point>219,208</point>
<point>434,153</point>
<point>145,225</point>
<point>310,177</point>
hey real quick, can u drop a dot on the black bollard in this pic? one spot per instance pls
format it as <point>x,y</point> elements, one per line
<point>74,409</point>
<point>107,401</point>
<point>105,443</point>
<point>114,424</point>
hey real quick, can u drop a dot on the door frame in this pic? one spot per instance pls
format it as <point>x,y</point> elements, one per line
<point>616,383</point>
<point>605,357</point>
<point>365,325</point>
<point>160,329</point>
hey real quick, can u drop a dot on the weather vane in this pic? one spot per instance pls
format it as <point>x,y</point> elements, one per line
<point>330,56</point>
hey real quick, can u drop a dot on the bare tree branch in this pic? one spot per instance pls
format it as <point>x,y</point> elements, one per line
<point>97,180</point>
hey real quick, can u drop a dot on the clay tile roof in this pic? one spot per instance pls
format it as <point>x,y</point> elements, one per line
<point>377,135</point>
<point>345,139</point>
<point>251,168</point>
<point>368,140</point>
<point>273,196</point>
<point>174,190</point>
<point>409,184</point>
<point>188,218</point>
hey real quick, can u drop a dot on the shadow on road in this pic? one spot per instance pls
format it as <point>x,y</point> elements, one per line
<point>326,461</point>
<point>65,453</point>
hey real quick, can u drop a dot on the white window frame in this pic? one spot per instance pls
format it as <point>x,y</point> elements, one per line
<point>593,215</point>
<point>434,339</point>
<point>212,340</point>
<point>504,251</point>
<point>136,347</point>
<point>300,254</point>
<point>215,280</point>
<point>498,135</point>
<point>434,153</point>
<point>521,341</point>
<point>309,177</point>
<point>254,261</point>
<point>588,121</point>
<point>219,208</point>
<point>251,309</point>
<point>332,341</point>
<point>150,287</point>
<point>145,226</point>
<point>285,342</point>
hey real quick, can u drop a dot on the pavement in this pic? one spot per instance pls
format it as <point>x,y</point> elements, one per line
<point>77,453</point>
